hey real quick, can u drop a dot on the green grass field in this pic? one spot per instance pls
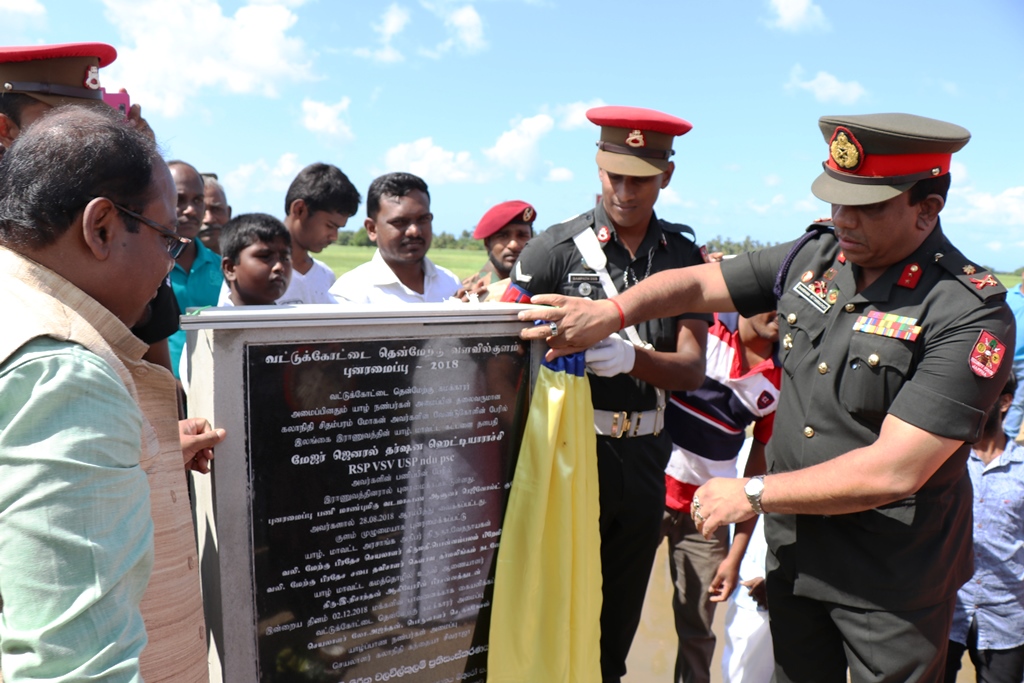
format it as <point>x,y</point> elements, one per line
<point>461,262</point>
<point>465,263</point>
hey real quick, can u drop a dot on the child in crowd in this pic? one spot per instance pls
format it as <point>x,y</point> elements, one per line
<point>256,251</point>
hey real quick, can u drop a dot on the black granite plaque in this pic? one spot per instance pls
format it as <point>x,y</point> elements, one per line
<point>379,474</point>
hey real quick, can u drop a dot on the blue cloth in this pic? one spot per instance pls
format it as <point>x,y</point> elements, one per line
<point>994,596</point>
<point>76,536</point>
<point>197,288</point>
<point>1015,415</point>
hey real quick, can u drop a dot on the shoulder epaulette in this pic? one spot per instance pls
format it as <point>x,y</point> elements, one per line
<point>821,224</point>
<point>984,284</point>
<point>679,229</point>
<point>566,230</point>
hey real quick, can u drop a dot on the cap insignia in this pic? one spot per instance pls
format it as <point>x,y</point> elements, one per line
<point>92,78</point>
<point>845,150</point>
<point>636,138</point>
<point>528,214</point>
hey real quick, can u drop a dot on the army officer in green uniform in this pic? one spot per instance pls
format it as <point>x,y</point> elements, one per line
<point>893,345</point>
<point>609,249</point>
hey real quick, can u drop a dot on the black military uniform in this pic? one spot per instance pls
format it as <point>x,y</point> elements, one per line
<point>925,342</point>
<point>631,469</point>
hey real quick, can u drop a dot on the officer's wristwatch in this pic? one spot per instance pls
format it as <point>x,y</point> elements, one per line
<point>754,488</point>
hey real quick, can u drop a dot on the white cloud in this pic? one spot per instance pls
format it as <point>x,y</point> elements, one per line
<point>392,22</point>
<point>995,245</point>
<point>797,15</point>
<point>775,202</point>
<point>669,197</point>
<point>259,176</point>
<point>516,149</point>
<point>465,29</point>
<point>320,117</point>
<point>32,8</point>
<point>574,115</point>
<point>178,48</point>
<point>959,173</point>
<point>433,163</point>
<point>974,207</point>
<point>825,87</point>
<point>771,180</point>
<point>559,174</point>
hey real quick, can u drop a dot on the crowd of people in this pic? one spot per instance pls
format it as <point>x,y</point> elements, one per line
<point>879,345</point>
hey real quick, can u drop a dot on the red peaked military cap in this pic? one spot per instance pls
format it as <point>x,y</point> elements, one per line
<point>636,141</point>
<point>55,74</point>
<point>500,215</point>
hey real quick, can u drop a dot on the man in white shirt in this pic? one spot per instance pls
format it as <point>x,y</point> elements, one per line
<point>400,223</point>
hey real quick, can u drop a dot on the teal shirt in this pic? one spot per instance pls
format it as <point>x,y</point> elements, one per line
<point>76,534</point>
<point>196,288</point>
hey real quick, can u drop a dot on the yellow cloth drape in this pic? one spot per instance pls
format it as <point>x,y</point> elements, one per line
<point>545,621</point>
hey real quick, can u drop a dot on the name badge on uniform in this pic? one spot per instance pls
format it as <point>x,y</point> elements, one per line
<point>812,297</point>
<point>583,277</point>
<point>888,325</point>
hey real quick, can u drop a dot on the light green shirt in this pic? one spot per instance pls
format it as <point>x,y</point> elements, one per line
<point>76,535</point>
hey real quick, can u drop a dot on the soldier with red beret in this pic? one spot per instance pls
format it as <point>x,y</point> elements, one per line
<point>606,250</point>
<point>505,230</point>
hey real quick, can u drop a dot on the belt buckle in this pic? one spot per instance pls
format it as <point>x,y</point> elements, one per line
<point>636,425</point>
<point>619,430</point>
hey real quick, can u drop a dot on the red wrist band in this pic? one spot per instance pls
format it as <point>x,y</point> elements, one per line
<point>622,316</point>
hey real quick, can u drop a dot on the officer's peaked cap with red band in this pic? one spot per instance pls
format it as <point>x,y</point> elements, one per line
<point>875,157</point>
<point>55,74</point>
<point>636,141</point>
<point>500,215</point>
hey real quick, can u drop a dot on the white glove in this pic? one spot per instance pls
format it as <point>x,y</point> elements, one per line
<point>611,356</point>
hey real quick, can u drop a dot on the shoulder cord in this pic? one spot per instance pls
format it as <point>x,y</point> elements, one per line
<point>780,280</point>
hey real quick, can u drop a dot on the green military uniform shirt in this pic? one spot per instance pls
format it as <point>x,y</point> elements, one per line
<point>843,375</point>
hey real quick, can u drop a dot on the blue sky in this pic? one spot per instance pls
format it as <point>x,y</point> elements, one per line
<point>485,98</point>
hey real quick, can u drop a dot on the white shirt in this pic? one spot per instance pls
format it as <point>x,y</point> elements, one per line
<point>375,283</point>
<point>311,288</point>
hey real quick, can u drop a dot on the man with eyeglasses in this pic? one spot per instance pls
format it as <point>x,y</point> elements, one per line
<point>196,276</point>
<point>86,425</point>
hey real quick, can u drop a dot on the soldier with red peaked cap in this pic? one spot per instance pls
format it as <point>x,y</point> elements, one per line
<point>505,230</point>
<point>894,346</point>
<point>609,249</point>
<point>36,78</point>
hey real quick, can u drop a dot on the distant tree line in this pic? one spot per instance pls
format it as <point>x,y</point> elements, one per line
<point>728,246</point>
<point>442,240</point>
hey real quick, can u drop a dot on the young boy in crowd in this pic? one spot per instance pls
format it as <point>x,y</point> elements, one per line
<point>256,251</point>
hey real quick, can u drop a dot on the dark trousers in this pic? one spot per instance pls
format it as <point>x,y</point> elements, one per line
<point>693,563</point>
<point>632,480</point>
<point>991,666</point>
<point>818,641</point>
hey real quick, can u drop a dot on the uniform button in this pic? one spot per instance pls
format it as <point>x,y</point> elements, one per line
<point>808,432</point>
<point>823,368</point>
<point>787,342</point>
<point>849,308</point>
<point>873,360</point>
<point>791,318</point>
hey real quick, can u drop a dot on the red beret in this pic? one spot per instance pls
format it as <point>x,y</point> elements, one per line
<point>497,217</point>
<point>636,141</point>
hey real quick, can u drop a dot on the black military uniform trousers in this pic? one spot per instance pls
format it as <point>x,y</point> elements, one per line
<point>815,640</point>
<point>631,472</point>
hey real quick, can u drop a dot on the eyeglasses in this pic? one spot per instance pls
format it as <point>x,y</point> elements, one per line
<point>175,242</point>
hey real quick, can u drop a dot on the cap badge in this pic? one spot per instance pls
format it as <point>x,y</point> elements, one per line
<point>636,138</point>
<point>845,150</point>
<point>603,234</point>
<point>92,78</point>
<point>528,214</point>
